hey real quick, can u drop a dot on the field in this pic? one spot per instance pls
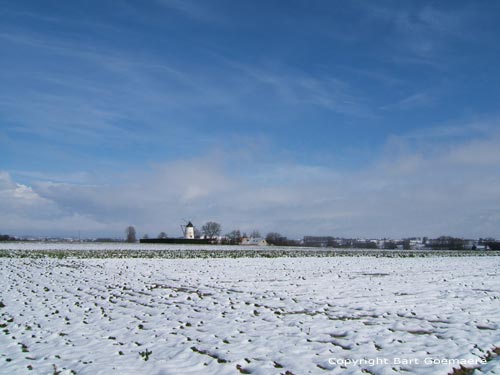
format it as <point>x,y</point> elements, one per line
<point>106,313</point>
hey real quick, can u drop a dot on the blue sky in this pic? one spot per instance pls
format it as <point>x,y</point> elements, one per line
<point>324,117</point>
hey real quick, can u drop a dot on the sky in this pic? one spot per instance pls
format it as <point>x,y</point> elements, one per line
<point>342,118</point>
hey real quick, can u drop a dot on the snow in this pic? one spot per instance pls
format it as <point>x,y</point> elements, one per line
<point>139,250</point>
<point>100,246</point>
<point>249,315</point>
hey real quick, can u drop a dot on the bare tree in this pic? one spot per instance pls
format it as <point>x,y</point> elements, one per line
<point>274,238</point>
<point>130,234</point>
<point>255,234</point>
<point>234,237</point>
<point>162,235</point>
<point>211,229</point>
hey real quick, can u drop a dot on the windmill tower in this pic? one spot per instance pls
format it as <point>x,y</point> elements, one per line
<point>189,231</point>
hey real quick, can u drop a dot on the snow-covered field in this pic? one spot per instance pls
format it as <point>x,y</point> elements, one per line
<point>347,315</point>
<point>175,251</point>
<point>111,246</point>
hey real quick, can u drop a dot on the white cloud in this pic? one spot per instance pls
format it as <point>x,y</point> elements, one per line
<point>17,196</point>
<point>416,188</point>
<point>478,153</point>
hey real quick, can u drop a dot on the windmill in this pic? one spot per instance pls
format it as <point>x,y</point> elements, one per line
<point>188,230</point>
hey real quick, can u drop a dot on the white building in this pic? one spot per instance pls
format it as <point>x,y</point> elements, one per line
<point>189,231</point>
<point>257,241</point>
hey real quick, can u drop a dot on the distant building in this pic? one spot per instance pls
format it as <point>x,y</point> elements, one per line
<point>257,241</point>
<point>474,245</point>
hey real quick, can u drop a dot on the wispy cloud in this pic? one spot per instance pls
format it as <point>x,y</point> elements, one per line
<point>298,88</point>
<point>419,33</point>
<point>118,90</point>
<point>417,100</point>
<point>199,10</point>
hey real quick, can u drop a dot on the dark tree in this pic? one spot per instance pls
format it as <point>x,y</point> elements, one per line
<point>162,235</point>
<point>332,243</point>
<point>277,239</point>
<point>130,234</point>
<point>492,244</point>
<point>364,244</point>
<point>6,237</point>
<point>390,245</point>
<point>406,244</point>
<point>446,243</point>
<point>211,229</point>
<point>234,237</point>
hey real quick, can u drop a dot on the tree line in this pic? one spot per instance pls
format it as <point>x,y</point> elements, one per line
<point>213,230</point>
<point>6,237</point>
